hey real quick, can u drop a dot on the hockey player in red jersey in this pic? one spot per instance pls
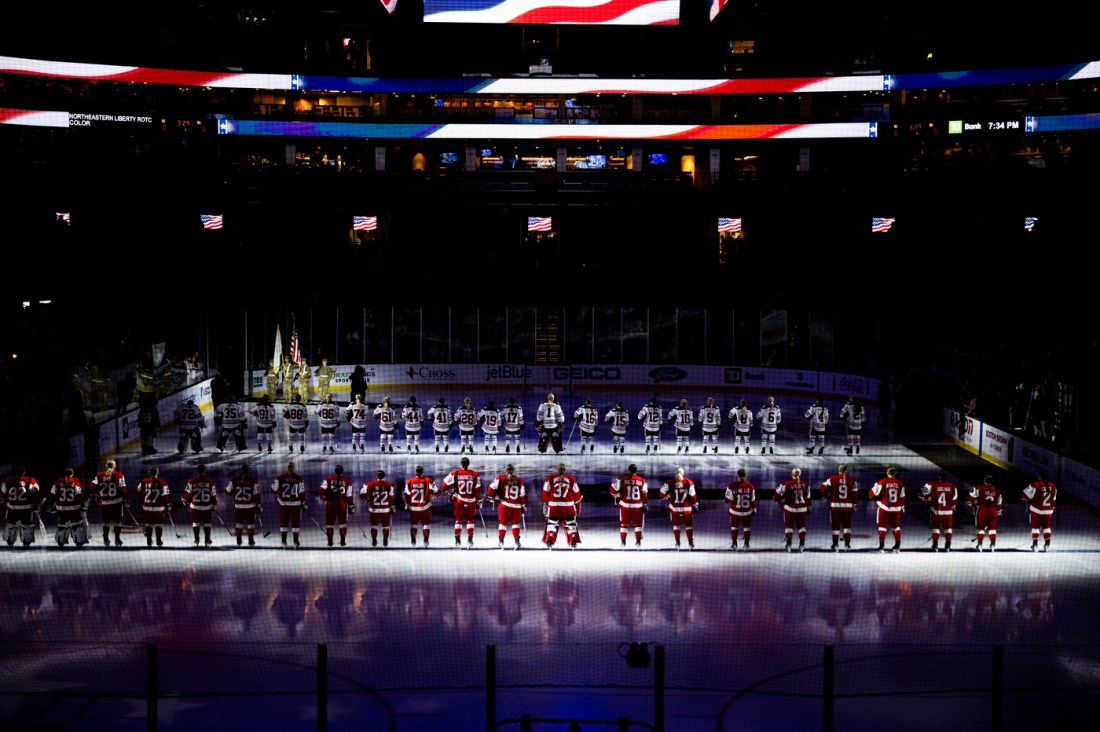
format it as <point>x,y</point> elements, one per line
<point>741,500</point>
<point>464,486</point>
<point>243,488</point>
<point>941,496</point>
<point>379,497</point>
<point>290,494</point>
<point>841,493</point>
<point>418,493</point>
<point>200,496</point>
<point>682,504</point>
<point>109,490</point>
<point>19,496</point>
<point>986,501</point>
<point>630,492</point>
<point>1040,496</point>
<point>889,496</point>
<point>336,493</point>
<point>69,500</point>
<point>794,495</point>
<point>510,493</point>
<point>155,500</point>
<point>561,499</point>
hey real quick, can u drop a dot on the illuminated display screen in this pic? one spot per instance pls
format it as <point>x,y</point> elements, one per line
<point>560,12</point>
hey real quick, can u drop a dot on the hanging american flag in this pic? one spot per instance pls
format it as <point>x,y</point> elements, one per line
<point>1029,222</point>
<point>389,5</point>
<point>716,7</point>
<point>364,223</point>
<point>879,226</point>
<point>64,217</point>
<point>544,12</point>
<point>211,221</point>
<point>539,223</point>
<point>295,346</point>
<point>728,225</point>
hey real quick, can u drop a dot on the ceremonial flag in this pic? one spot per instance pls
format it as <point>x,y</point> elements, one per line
<point>64,217</point>
<point>295,346</point>
<point>364,223</point>
<point>539,223</point>
<point>278,359</point>
<point>879,226</point>
<point>1029,222</point>
<point>211,221</point>
<point>728,225</point>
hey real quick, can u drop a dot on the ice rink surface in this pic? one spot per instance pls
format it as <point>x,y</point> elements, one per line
<point>741,635</point>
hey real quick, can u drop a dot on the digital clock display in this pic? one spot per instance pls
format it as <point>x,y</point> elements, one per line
<point>958,126</point>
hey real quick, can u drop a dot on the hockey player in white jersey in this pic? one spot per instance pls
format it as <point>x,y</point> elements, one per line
<point>620,420</point>
<point>491,420</point>
<point>710,419</point>
<point>742,419</point>
<point>818,417</point>
<point>769,418</point>
<point>683,419</point>
<point>442,419</point>
<point>386,414</point>
<point>466,419</point>
<point>587,418</point>
<point>413,417</point>
<point>328,417</point>
<point>513,424</point>
<point>651,416</point>
<point>358,414</point>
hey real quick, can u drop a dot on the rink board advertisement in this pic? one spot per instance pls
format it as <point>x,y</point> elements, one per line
<point>963,430</point>
<point>122,433</point>
<point>1012,451</point>
<point>1079,480</point>
<point>520,379</point>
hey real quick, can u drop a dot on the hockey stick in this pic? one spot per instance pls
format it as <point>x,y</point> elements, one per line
<point>222,522</point>
<point>41,525</point>
<point>571,433</point>
<point>359,526</point>
<point>260,523</point>
<point>483,527</point>
<point>171,522</point>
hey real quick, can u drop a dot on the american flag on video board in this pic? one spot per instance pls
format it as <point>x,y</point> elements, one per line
<point>364,223</point>
<point>879,226</point>
<point>536,12</point>
<point>539,223</point>
<point>211,221</point>
<point>1029,222</point>
<point>728,225</point>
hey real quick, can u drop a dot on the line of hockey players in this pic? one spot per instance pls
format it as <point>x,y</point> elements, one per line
<point>24,502</point>
<point>504,426</point>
